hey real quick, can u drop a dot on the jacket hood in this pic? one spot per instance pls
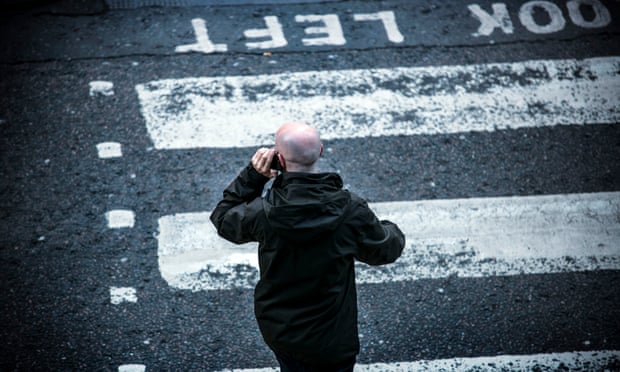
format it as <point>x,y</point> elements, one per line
<point>302,206</point>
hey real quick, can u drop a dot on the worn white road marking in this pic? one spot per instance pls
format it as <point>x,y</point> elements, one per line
<point>601,18</point>
<point>104,88</point>
<point>498,18</point>
<point>203,44</point>
<point>245,111</point>
<point>465,237</point>
<point>273,33</point>
<point>389,24</point>
<point>132,368</point>
<point>529,15</point>
<point>107,150</point>
<point>331,31</point>
<point>120,218</point>
<point>526,16</point>
<point>119,295</point>
<point>573,361</point>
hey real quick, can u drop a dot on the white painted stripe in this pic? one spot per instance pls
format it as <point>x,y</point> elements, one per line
<point>240,111</point>
<point>120,218</point>
<point>104,88</point>
<point>574,361</point>
<point>119,295</point>
<point>389,23</point>
<point>463,237</point>
<point>132,368</point>
<point>108,150</point>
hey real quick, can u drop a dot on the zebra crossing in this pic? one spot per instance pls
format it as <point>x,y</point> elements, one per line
<point>473,237</point>
<point>555,361</point>
<point>238,111</point>
<point>467,237</point>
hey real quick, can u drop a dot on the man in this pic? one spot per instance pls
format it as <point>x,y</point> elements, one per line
<point>309,231</point>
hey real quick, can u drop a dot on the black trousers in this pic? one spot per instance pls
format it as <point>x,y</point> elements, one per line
<point>288,364</point>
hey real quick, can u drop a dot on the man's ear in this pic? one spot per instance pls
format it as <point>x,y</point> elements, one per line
<point>282,161</point>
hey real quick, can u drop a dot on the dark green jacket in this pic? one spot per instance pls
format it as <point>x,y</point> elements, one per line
<point>309,231</point>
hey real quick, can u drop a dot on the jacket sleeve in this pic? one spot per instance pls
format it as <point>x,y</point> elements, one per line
<point>379,242</point>
<point>233,217</point>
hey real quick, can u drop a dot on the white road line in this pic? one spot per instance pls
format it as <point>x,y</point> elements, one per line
<point>465,237</point>
<point>108,150</point>
<point>119,295</point>
<point>574,361</point>
<point>120,218</point>
<point>244,111</point>
<point>104,88</point>
<point>132,368</point>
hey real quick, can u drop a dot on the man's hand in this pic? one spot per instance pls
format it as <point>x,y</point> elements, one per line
<point>261,161</point>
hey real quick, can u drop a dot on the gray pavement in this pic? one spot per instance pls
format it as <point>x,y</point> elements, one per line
<point>60,259</point>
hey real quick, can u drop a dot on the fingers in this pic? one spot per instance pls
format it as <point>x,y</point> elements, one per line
<point>261,161</point>
<point>262,158</point>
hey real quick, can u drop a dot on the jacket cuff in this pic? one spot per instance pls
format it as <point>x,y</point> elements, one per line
<point>253,176</point>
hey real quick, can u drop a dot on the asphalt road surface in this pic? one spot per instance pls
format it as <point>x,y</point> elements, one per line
<point>488,130</point>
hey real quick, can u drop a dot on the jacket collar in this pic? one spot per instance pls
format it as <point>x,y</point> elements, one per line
<point>325,179</point>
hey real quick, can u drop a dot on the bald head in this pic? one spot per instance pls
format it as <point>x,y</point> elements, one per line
<point>300,146</point>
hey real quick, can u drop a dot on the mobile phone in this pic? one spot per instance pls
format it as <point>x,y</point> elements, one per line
<point>275,163</point>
